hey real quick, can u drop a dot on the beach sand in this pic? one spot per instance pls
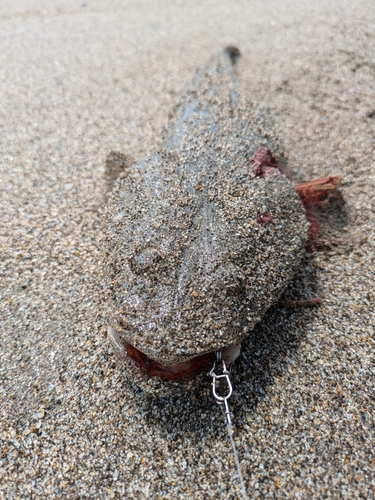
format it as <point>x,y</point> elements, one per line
<point>81,78</point>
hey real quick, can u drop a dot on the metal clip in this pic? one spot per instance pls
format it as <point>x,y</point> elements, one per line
<point>216,379</point>
<point>222,400</point>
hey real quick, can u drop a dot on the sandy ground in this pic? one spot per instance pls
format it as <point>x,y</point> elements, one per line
<point>81,78</point>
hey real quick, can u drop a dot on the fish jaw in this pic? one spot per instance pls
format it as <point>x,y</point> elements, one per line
<point>150,368</point>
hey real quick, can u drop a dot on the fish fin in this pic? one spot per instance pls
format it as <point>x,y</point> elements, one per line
<point>315,192</point>
<point>116,164</point>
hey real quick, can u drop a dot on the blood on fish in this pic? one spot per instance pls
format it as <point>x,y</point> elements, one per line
<point>313,240</point>
<point>152,368</point>
<point>265,162</point>
<point>264,218</point>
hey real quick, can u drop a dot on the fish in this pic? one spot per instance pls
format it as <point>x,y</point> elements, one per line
<point>201,237</point>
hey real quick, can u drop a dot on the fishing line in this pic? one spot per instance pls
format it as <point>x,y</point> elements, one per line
<point>221,384</point>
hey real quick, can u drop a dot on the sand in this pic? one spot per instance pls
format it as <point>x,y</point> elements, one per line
<point>79,79</point>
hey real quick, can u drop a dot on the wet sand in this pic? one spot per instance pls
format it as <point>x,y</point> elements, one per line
<point>78,80</point>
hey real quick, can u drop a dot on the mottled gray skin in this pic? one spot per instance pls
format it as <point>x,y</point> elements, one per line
<point>190,268</point>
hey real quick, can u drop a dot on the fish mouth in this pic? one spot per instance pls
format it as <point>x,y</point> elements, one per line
<point>151,368</point>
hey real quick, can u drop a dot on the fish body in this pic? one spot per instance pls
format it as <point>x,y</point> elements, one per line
<point>197,246</point>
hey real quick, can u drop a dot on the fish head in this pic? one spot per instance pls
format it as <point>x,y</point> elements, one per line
<point>192,262</point>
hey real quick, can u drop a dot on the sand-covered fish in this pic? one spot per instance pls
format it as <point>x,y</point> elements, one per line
<point>201,237</point>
